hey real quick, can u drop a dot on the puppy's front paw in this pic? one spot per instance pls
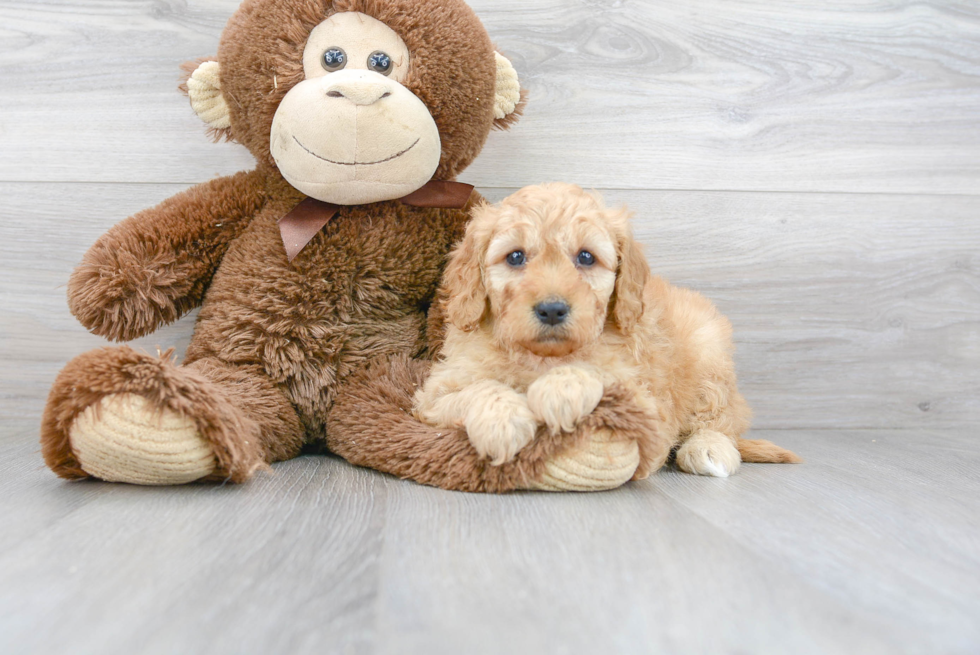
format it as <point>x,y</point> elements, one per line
<point>563,396</point>
<point>709,453</point>
<point>499,426</point>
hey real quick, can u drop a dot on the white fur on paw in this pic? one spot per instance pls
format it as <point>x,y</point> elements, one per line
<point>709,453</point>
<point>564,395</point>
<point>499,428</point>
<point>711,467</point>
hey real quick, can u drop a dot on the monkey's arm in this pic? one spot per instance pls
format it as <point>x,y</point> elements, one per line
<point>155,266</point>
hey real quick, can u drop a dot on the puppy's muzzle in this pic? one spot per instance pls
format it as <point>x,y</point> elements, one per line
<point>552,312</point>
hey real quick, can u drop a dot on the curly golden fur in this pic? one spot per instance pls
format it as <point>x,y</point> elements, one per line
<point>538,330</point>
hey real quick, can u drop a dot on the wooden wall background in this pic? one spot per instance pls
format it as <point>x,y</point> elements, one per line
<point>814,167</point>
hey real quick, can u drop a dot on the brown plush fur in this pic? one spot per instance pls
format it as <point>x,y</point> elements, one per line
<point>276,342</point>
<point>503,373</point>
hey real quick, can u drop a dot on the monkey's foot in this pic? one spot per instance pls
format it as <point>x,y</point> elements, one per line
<point>604,461</point>
<point>125,416</point>
<point>122,438</point>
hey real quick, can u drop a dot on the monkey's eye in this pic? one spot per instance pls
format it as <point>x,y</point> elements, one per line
<point>585,258</point>
<point>334,59</point>
<point>379,62</point>
<point>516,258</point>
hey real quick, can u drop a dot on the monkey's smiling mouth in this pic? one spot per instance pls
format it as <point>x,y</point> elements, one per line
<point>357,163</point>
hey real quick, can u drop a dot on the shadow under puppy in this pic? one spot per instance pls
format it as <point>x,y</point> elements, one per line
<point>549,302</point>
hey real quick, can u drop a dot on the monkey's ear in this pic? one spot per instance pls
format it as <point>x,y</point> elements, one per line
<point>510,98</point>
<point>203,87</point>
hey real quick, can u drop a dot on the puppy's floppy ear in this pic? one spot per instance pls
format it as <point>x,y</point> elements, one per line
<point>463,281</point>
<point>631,279</point>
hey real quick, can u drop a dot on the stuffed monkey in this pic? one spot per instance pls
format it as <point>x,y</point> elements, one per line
<point>315,272</point>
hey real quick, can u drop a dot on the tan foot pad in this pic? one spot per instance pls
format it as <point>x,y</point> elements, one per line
<point>604,462</point>
<point>123,439</point>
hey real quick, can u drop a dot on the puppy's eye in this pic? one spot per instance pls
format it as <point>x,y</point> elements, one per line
<point>334,59</point>
<point>585,258</point>
<point>516,258</point>
<point>379,62</point>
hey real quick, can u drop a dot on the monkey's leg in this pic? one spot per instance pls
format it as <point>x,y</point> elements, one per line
<point>123,416</point>
<point>371,424</point>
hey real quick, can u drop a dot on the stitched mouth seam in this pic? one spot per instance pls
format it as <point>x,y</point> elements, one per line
<point>357,163</point>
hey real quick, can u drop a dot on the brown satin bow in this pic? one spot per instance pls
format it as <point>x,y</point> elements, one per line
<point>306,219</point>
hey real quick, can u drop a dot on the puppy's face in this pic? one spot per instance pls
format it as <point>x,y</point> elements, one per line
<point>549,277</point>
<point>544,264</point>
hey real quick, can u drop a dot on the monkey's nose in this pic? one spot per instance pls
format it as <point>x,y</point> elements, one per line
<point>552,312</point>
<point>360,92</point>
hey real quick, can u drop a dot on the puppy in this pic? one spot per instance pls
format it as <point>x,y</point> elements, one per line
<point>550,300</point>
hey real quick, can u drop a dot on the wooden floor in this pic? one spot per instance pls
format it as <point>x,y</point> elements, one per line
<point>812,167</point>
<point>869,547</point>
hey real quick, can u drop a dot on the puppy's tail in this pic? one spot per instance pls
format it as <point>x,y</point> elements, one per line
<point>762,451</point>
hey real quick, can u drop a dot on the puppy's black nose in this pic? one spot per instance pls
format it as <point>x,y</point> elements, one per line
<point>552,312</point>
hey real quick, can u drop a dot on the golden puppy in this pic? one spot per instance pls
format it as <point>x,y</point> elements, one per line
<point>549,300</point>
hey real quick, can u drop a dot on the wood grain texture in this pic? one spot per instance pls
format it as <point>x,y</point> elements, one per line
<point>870,547</point>
<point>871,95</point>
<point>852,311</point>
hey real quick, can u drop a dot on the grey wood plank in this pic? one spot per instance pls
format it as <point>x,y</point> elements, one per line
<point>286,564</point>
<point>628,571</point>
<point>866,547</point>
<point>849,310</point>
<point>679,94</point>
<point>861,493</point>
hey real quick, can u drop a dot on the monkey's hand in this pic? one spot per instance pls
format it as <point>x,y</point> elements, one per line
<point>563,395</point>
<point>154,267</point>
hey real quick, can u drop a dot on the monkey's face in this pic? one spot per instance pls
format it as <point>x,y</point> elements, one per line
<point>356,101</point>
<point>350,133</point>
